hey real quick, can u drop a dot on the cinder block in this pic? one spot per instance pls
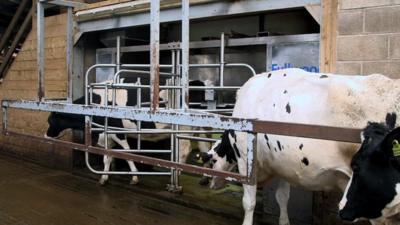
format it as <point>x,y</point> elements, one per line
<point>371,47</point>
<point>350,22</point>
<point>390,69</point>
<point>357,4</point>
<point>55,31</point>
<point>347,68</point>
<point>380,20</point>
<point>56,75</point>
<point>394,50</point>
<point>54,64</point>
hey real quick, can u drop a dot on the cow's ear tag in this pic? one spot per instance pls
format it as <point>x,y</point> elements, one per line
<point>396,148</point>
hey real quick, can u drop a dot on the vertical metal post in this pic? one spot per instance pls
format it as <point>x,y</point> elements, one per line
<point>118,67</point>
<point>4,109</point>
<point>222,60</point>
<point>70,44</point>
<point>40,49</point>
<point>139,105</point>
<point>178,80</point>
<point>154,52</point>
<point>252,157</point>
<point>185,55</point>
<point>106,118</point>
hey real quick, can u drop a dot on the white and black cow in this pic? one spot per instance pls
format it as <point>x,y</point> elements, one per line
<point>58,122</point>
<point>296,96</point>
<point>374,189</point>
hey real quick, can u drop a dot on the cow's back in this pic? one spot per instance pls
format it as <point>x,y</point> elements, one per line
<point>297,96</point>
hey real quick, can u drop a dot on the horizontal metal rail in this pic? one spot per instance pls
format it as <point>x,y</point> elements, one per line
<point>196,138</point>
<point>196,118</point>
<point>138,158</point>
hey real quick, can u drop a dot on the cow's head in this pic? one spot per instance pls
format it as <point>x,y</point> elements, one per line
<point>375,184</point>
<point>58,122</point>
<point>223,158</point>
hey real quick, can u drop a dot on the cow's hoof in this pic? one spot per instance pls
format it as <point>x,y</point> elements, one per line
<point>134,181</point>
<point>103,181</point>
<point>284,222</point>
<point>204,181</point>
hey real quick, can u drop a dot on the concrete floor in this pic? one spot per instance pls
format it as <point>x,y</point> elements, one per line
<point>30,195</point>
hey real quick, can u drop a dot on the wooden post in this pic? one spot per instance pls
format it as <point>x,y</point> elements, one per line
<point>328,36</point>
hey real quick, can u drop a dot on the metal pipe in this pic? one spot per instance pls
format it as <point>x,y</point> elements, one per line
<point>251,168</point>
<point>142,150</point>
<point>143,66</point>
<point>118,73</point>
<point>40,50</point>
<point>155,131</point>
<point>154,53</point>
<point>118,57</point>
<point>136,158</point>
<point>69,49</point>
<point>226,65</point>
<point>193,138</point>
<point>4,110</point>
<point>87,77</point>
<point>185,54</point>
<point>135,86</point>
<point>121,172</point>
<point>139,105</point>
<point>106,118</point>
<point>222,60</point>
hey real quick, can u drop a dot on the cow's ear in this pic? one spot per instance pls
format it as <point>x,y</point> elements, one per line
<point>391,120</point>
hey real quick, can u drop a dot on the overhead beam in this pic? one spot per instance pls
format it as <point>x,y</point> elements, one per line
<point>64,3</point>
<point>197,11</point>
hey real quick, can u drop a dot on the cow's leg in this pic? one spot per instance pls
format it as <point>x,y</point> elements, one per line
<point>107,162</point>
<point>282,197</point>
<point>121,140</point>
<point>249,203</point>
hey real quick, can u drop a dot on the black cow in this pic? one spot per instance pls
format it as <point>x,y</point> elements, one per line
<point>374,189</point>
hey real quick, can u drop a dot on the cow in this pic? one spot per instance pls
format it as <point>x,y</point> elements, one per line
<point>58,122</point>
<point>296,96</point>
<point>374,188</point>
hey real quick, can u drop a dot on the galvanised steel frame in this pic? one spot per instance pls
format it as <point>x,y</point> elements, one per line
<point>182,116</point>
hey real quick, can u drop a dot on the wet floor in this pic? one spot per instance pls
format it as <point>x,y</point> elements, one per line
<point>34,195</point>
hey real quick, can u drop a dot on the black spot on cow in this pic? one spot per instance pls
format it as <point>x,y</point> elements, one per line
<point>288,109</point>
<point>269,146</point>
<point>323,76</point>
<point>233,134</point>
<point>273,105</point>
<point>301,146</point>
<point>266,137</point>
<point>284,74</point>
<point>285,92</point>
<point>225,148</point>
<point>279,145</point>
<point>269,75</point>
<point>305,161</point>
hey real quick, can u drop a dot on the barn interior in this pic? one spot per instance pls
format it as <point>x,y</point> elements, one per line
<point>261,35</point>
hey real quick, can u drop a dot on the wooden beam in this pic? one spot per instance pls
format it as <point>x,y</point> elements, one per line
<point>328,36</point>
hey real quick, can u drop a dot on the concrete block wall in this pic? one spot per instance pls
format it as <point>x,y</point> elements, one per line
<point>21,82</point>
<point>369,37</point>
